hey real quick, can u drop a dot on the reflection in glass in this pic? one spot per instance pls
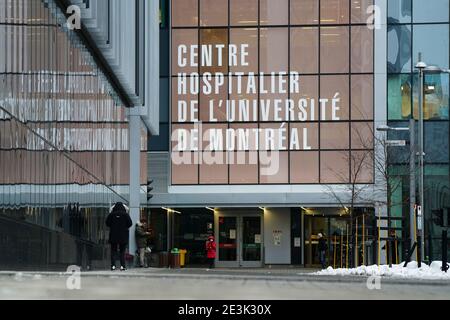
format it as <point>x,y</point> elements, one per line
<point>430,11</point>
<point>399,96</point>
<point>399,48</point>
<point>425,39</point>
<point>399,11</point>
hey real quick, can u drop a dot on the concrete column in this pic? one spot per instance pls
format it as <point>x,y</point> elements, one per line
<point>135,173</point>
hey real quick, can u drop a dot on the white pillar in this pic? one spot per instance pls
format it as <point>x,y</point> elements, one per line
<point>135,173</point>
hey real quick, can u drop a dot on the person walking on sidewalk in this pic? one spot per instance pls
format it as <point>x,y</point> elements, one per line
<point>141,241</point>
<point>322,250</point>
<point>211,251</point>
<point>119,223</point>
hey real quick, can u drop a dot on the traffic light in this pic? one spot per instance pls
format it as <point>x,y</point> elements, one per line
<point>149,190</point>
<point>438,217</point>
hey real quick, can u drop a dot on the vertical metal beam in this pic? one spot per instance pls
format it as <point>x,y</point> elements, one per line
<point>135,172</point>
<point>421,159</point>
<point>412,182</point>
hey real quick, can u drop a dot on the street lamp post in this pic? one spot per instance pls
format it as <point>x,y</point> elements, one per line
<point>421,66</point>
<point>423,69</point>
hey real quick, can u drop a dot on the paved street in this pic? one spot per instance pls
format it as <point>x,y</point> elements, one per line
<point>216,285</point>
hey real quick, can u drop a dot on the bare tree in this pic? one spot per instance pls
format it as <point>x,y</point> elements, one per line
<point>371,180</point>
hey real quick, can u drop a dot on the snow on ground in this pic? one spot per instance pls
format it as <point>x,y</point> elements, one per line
<point>431,272</point>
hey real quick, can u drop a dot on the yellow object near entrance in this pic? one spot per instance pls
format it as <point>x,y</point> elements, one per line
<point>182,257</point>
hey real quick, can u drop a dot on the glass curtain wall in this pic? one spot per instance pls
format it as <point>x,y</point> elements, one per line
<point>327,42</point>
<point>420,26</point>
<point>63,142</point>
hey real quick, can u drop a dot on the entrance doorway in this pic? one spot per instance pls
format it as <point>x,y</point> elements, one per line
<point>239,240</point>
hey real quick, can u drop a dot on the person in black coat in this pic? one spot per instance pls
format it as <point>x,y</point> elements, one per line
<point>322,250</point>
<point>119,222</point>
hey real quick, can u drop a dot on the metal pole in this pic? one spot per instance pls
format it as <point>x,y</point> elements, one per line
<point>421,156</point>
<point>412,183</point>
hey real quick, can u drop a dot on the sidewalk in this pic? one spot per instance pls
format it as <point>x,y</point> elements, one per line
<point>259,274</point>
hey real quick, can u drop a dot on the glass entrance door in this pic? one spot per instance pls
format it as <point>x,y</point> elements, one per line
<point>251,242</point>
<point>228,239</point>
<point>239,241</point>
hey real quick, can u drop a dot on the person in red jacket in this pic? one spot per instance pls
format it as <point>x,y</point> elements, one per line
<point>211,251</point>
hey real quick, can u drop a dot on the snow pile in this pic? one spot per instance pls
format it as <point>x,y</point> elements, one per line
<point>412,271</point>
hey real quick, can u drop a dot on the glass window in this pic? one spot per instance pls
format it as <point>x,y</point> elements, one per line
<point>246,138</point>
<point>304,167</point>
<point>243,12</point>
<point>246,103</point>
<point>330,87</point>
<point>217,100</point>
<point>430,11</point>
<point>305,50</point>
<point>274,12</point>
<point>399,48</point>
<point>436,97</point>
<point>362,167</point>
<point>243,167</point>
<point>272,105</point>
<point>399,11</point>
<point>334,11</point>
<point>362,135</point>
<point>309,89</point>
<point>334,50</point>
<point>182,40</point>
<point>362,49</point>
<point>211,38</point>
<point>362,97</point>
<point>214,137</point>
<point>334,136</point>
<point>184,13</point>
<point>214,168</point>
<point>213,13</point>
<point>436,141</point>
<point>334,167</point>
<point>184,103</point>
<point>274,49</point>
<point>425,40</point>
<point>304,12</point>
<point>399,96</point>
<point>187,172</point>
<point>249,37</point>
<point>273,137</point>
<point>308,136</point>
<point>359,10</point>
<point>274,167</point>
